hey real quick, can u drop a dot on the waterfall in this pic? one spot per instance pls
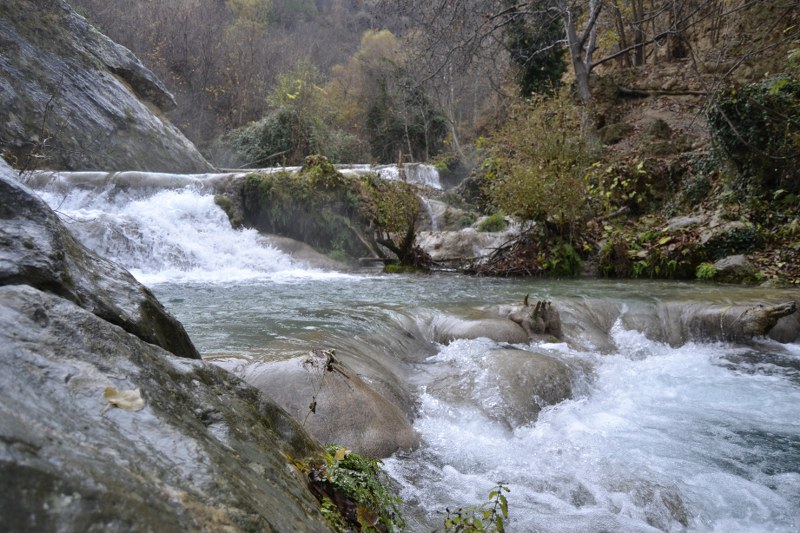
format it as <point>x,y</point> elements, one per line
<point>414,173</point>
<point>431,215</point>
<point>163,227</point>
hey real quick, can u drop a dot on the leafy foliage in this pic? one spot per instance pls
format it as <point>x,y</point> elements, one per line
<point>394,208</point>
<point>297,125</point>
<point>617,185</point>
<point>563,261</point>
<point>757,127</point>
<point>536,162</point>
<point>494,222</point>
<point>705,271</point>
<point>652,254</point>
<point>488,518</point>
<point>354,492</point>
<point>374,96</point>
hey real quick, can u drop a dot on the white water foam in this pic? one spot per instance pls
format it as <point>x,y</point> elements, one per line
<point>174,235</point>
<point>664,439</point>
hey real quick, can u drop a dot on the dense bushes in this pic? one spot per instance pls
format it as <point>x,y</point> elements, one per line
<point>757,127</point>
<point>536,163</point>
<point>285,136</point>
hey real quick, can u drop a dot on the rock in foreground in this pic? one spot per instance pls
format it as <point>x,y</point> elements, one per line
<point>333,402</point>
<point>37,250</point>
<point>195,449</point>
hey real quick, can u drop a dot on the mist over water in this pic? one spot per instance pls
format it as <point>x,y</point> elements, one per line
<point>702,437</point>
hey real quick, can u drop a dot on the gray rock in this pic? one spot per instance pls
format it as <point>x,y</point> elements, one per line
<point>304,253</point>
<point>674,224</point>
<point>346,410</point>
<point>679,322</point>
<point>464,244</point>
<point>614,133</point>
<point>36,250</point>
<point>511,386</point>
<point>729,238</point>
<point>446,329</point>
<point>202,451</point>
<point>735,269</point>
<point>75,100</point>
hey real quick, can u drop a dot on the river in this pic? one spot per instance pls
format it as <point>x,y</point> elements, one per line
<point>704,436</point>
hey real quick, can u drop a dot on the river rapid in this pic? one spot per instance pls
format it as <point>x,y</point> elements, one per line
<point>704,436</point>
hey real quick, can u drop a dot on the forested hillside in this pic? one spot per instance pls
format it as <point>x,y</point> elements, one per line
<point>600,119</point>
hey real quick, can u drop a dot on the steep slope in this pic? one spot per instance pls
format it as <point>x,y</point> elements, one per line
<point>74,99</point>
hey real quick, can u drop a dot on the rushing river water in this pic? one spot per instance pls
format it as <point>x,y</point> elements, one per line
<point>699,437</point>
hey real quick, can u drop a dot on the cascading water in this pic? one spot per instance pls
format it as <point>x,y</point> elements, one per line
<point>701,437</point>
<point>169,234</point>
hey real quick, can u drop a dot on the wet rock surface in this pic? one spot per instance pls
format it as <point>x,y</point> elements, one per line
<point>37,250</point>
<point>511,386</point>
<point>75,100</point>
<point>334,404</point>
<point>202,451</point>
<point>108,419</point>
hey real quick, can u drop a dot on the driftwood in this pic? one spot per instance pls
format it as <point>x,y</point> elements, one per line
<point>540,320</point>
<point>644,93</point>
<point>754,321</point>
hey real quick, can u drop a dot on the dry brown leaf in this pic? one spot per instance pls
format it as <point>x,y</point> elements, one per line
<point>130,400</point>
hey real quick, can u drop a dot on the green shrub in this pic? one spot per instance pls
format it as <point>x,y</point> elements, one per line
<point>705,271</point>
<point>354,492</point>
<point>466,219</point>
<point>564,261</point>
<point>757,128</point>
<point>488,518</point>
<point>536,161</point>
<point>492,223</point>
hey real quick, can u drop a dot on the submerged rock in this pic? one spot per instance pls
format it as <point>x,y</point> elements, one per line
<point>510,386</point>
<point>75,100</point>
<point>334,404</point>
<point>192,449</point>
<point>37,250</point>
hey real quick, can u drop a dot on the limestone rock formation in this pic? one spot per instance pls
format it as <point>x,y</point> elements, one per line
<point>198,451</point>
<point>446,329</point>
<point>335,404</point>
<point>679,322</point>
<point>36,250</point>
<point>75,100</point>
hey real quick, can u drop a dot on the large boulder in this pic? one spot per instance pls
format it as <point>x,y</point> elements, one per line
<point>735,269</point>
<point>510,386</point>
<point>37,250</point>
<point>100,431</point>
<point>332,402</point>
<point>461,245</point>
<point>75,100</point>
